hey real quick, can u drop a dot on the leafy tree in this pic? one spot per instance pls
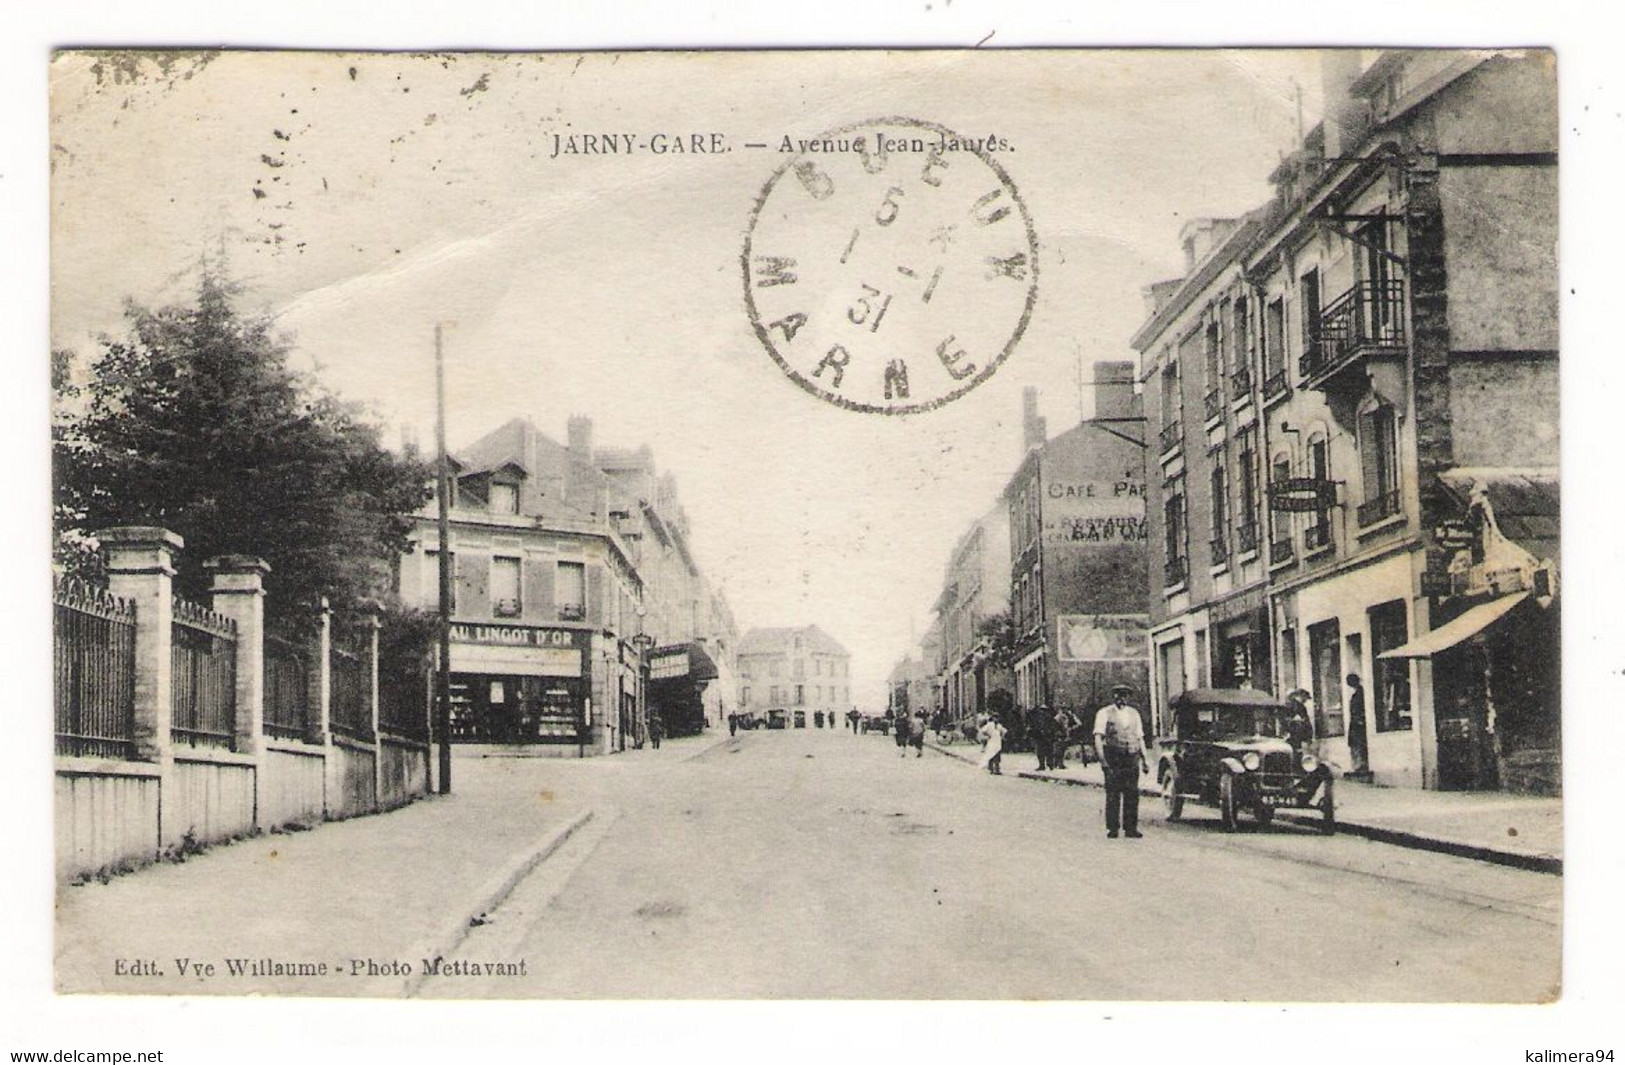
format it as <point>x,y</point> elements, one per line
<point>194,421</point>
<point>998,633</point>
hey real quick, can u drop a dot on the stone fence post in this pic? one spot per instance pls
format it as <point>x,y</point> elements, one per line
<point>141,570</point>
<point>238,588</point>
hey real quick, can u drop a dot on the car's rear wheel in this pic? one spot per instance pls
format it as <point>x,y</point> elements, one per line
<point>1172,800</point>
<point>1227,802</point>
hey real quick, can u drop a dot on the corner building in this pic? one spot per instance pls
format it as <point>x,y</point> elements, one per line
<point>1375,348</point>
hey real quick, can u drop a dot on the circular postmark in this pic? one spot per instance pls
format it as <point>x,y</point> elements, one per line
<point>890,266</point>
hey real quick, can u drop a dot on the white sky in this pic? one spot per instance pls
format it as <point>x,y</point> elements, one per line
<point>421,189</point>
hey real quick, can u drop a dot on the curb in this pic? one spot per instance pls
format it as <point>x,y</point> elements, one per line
<point>490,896</point>
<point>1535,863</point>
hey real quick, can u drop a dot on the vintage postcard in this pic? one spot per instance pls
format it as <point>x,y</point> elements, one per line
<point>1055,524</point>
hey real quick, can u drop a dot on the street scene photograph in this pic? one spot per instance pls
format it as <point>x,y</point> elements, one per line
<point>1045,525</point>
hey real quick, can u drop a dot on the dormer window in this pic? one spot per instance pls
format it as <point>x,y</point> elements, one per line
<point>504,498</point>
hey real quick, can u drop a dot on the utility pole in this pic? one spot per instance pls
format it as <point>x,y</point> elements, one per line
<point>442,679</point>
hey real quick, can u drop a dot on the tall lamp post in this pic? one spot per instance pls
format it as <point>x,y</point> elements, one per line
<point>644,644</point>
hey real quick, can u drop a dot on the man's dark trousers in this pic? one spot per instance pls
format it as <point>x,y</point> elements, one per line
<point>1122,770</point>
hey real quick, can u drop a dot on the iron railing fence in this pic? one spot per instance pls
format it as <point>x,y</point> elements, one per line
<point>94,664</point>
<point>287,686</point>
<point>203,677</point>
<point>403,695</point>
<point>351,698</point>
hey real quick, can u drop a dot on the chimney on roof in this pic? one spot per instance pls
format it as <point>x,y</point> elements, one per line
<point>1344,120</point>
<point>1114,389</point>
<point>579,434</point>
<point>1034,429</point>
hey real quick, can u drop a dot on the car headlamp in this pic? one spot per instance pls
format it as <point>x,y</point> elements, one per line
<point>1309,762</point>
<point>1250,761</point>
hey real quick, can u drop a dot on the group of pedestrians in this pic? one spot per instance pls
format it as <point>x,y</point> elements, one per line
<point>909,731</point>
<point>1118,741</point>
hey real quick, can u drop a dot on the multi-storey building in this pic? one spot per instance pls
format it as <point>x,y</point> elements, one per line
<point>1076,511</point>
<point>556,589</point>
<point>798,670</point>
<point>1353,392</point>
<point>975,592</point>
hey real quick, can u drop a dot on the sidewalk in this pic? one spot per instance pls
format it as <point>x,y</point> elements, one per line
<point>1524,831</point>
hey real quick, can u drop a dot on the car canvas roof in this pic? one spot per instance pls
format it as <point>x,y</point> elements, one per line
<point>1225,697</point>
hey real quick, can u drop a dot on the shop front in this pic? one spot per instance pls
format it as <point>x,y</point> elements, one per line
<point>678,676</point>
<point>514,685</point>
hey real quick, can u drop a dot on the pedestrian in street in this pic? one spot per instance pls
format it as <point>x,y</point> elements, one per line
<point>733,724</point>
<point>900,734</point>
<point>1120,745</point>
<point>1037,722</point>
<point>917,736</point>
<point>1359,751</point>
<point>1300,727</point>
<point>992,736</point>
<point>818,719</point>
<point>657,728</point>
<point>1065,727</point>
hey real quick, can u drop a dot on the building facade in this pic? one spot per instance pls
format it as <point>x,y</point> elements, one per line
<point>975,594</point>
<point>1076,513</point>
<point>798,671</point>
<point>1354,391</point>
<point>568,589</point>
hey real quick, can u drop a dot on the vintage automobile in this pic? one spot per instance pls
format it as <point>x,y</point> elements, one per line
<point>1230,748</point>
<point>777,718</point>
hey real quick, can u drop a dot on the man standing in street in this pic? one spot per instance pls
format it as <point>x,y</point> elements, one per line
<point>1359,749</point>
<point>1039,722</point>
<point>1065,725</point>
<point>1120,746</point>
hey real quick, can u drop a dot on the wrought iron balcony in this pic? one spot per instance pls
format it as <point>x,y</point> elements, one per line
<point>1247,538</point>
<point>1317,537</point>
<point>1169,436</point>
<point>1368,317</point>
<point>1173,572</point>
<point>1275,384</point>
<point>1213,404</point>
<point>1374,510</point>
<point>1241,382</point>
<point>1221,550</point>
<point>1280,551</point>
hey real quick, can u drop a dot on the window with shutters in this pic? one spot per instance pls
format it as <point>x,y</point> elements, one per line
<point>1379,464</point>
<point>1247,492</point>
<point>570,591</point>
<point>506,595</point>
<point>1309,303</point>
<point>1275,348</point>
<point>1318,536</point>
<point>1280,521</point>
<point>1173,530</point>
<point>1220,483</point>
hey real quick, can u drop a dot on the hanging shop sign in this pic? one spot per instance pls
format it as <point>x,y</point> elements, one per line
<point>1302,494</point>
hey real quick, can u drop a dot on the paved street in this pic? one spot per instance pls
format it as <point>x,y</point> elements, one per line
<point>811,864</point>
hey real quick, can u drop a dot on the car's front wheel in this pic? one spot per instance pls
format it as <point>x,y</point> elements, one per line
<point>1172,801</point>
<point>1328,811</point>
<point>1227,802</point>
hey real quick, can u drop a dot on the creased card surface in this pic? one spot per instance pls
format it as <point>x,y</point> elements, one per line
<point>835,445</point>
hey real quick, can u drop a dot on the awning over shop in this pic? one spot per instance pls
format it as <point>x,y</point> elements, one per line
<point>685,661</point>
<point>1452,632</point>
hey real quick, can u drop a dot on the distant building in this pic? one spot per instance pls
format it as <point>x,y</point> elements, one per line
<point>1354,395</point>
<point>1076,511</point>
<point>799,670</point>
<point>975,594</point>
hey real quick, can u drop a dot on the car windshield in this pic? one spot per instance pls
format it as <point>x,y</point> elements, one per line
<point>1228,722</point>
